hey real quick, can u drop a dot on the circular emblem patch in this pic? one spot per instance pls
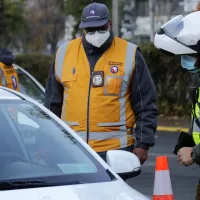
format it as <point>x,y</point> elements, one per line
<point>114,69</point>
<point>92,12</point>
<point>14,82</point>
<point>97,80</point>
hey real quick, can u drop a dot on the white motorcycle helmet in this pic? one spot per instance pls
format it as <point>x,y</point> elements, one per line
<point>180,35</point>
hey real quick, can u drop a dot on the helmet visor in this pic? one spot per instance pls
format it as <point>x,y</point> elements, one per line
<point>185,30</point>
<point>174,27</point>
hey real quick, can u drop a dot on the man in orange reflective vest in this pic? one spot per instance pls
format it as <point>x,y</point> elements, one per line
<point>8,75</point>
<point>101,87</point>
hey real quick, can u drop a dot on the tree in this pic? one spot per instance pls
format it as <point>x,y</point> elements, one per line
<point>12,21</point>
<point>46,23</point>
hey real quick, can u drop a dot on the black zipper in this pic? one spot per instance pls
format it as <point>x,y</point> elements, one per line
<point>88,110</point>
<point>88,104</point>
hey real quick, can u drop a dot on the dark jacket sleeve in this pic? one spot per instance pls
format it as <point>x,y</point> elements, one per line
<point>54,93</point>
<point>196,154</point>
<point>143,97</point>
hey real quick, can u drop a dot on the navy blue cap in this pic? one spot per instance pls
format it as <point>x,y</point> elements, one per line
<point>94,15</point>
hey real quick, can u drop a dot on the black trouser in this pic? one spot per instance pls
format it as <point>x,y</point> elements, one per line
<point>103,154</point>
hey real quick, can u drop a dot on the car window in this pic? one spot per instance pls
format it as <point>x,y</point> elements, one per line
<point>30,88</point>
<point>33,145</point>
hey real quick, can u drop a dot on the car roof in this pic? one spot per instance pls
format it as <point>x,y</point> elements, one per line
<point>8,94</point>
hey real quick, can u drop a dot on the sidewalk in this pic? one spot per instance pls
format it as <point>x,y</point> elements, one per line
<point>173,124</point>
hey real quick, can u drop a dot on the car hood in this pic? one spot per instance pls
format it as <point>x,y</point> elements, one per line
<point>117,190</point>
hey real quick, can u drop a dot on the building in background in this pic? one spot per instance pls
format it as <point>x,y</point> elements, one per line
<point>136,22</point>
<point>190,5</point>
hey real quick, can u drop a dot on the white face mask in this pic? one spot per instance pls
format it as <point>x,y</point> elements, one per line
<point>97,39</point>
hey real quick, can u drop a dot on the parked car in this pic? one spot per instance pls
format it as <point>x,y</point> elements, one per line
<point>41,157</point>
<point>29,85</point>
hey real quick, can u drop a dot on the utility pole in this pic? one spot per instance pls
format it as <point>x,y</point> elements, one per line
<point>151,16</point>
<point>129,20</point>
<point>115,16</point>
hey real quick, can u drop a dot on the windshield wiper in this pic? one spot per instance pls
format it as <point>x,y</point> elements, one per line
<point>10,185</point>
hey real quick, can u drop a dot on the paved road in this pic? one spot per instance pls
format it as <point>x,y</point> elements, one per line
<point>184,179</point>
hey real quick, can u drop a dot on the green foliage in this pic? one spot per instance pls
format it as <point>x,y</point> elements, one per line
<point>13,22</point>
<point>46,24</point>
<point>14,17</point>
<point>36,64</point>
<point>171,82</point>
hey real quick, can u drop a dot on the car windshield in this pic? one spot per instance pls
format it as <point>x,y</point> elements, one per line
<point>29,87</point>
<point>34,146</point>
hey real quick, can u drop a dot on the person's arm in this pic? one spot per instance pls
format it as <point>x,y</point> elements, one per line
<point>143,97</point>
<point>54,93</point>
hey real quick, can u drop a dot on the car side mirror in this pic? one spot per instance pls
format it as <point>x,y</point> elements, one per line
<point>124,163</point>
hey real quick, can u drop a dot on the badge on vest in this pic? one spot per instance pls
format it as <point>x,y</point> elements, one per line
<point>114,69</point>
<point>98,79</point>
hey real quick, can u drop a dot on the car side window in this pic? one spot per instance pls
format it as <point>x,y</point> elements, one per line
<point>29,88</point>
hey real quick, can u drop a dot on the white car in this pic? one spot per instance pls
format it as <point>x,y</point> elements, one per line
<point>42,158</point>
<point>29,85</point>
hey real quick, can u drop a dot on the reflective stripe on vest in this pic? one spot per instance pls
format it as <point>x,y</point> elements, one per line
<point>99,136</point>
<point>196,133</point>
<point>60,59</point>
<point>196,129</point>
<point>116,131</point>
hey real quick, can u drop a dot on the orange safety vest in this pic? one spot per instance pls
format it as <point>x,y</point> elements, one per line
<point>8,77</point>
<point>102,116</point>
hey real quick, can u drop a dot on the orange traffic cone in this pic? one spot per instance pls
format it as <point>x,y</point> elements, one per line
<point>162,181</point>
